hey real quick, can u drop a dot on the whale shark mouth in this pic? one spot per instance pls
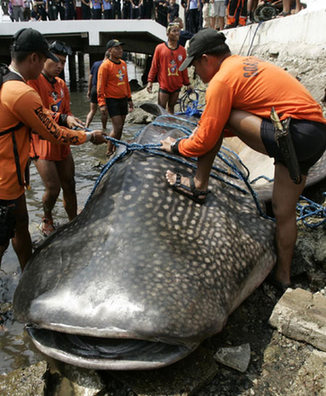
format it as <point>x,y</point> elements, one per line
<point>106,353</point>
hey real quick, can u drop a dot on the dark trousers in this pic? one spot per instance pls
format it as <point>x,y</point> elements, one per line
<point>97,14</point>
<point>194,20</point>
<point>86,12</point>
<point>108,14</point>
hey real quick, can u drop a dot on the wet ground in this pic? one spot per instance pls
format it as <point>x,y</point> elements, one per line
<point>278,365</point>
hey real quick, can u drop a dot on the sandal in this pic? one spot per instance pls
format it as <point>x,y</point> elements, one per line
<point>191,192</point>
<point>284,14</point>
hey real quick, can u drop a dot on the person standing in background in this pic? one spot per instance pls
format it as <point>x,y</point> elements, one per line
<point>92,95</point>
<point>116,4</point>
<point>40,9</point>
<point>184,34</point>
<point>107,9</point>
<point>78,10</point>
<point>219,11</point>
<point>135,8</point>
<point>147,9</point>
<point>27,9</point>
<point>236,13</point>
<point>113,90</point>
<point>96,9</point>
<point>86,11</point>
<point>70,9</point>
<point>193,8</point>
<point>165,69</point>
<point>17,10</point>
<point>126,9</point>
<point>52,9</point>
<point>205,13</point>
<point>173,11</point>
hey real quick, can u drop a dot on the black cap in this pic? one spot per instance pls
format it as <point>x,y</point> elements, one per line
<point>60,48</point>
<point>113,43</point>
<point>31,40</point>
<point>204,42</point>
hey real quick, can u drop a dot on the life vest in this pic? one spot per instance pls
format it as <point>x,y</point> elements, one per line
<point>7,75</point>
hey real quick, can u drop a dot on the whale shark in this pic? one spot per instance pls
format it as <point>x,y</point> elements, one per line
<point>143,274</point>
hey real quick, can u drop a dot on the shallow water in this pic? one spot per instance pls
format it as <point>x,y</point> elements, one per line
<point>15,349</point>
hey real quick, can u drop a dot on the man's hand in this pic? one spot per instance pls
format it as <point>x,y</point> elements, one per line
<point>190,89</point>
<point>74,122</point>
<point>131,106</point>
<point>166,144</point>
<point>149,87</point>
<point>98,137</point>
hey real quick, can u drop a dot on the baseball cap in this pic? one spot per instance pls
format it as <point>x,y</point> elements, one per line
<point>31,40</point>
<point>113,43</point>
<point>203,42</point>
<point>60,48</point>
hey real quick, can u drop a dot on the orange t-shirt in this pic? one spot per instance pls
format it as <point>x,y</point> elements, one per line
<point>112,81</point>
<point>254,86</point>
<point>55,97</point>
<point>21,103</point>
<point>165,67</point>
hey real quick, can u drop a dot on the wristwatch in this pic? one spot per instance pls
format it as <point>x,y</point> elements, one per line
<point>175,147</point>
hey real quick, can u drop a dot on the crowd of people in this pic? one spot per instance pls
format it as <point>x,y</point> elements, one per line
<point>216,14</point>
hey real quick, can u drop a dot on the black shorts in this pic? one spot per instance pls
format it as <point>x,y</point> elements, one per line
<point>309,140</point>
<point>167,92</point>
<point>94,95</point>
<point>117,106</point>
<point>7,221</point>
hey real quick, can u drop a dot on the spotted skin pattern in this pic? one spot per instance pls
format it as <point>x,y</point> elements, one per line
<point>143,262</point>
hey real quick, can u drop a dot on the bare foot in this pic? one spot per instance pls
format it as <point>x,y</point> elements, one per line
<point>110,149</point>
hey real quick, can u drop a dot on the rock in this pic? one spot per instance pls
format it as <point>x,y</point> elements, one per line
<point>301,315</point>
<point>65,379</point>
<point>183,378</point>
<point>237,357</point>
<point>25,381</point>
<point>139,116</point>
<point>311,378</point>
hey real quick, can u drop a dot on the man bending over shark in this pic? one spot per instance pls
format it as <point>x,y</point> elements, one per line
<point>241,94</point>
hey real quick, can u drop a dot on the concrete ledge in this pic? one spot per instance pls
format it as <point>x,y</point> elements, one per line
<point>301,315</point>
<point>294,32</point>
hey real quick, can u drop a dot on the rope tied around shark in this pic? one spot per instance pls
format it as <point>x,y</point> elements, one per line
<point>309,212</point>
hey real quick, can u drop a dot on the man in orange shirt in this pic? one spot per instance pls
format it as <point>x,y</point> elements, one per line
<point>54,162</point>
<point>165,69</point>
<point>21,110</point>
<point>241,94</point>
<point>113,90</point>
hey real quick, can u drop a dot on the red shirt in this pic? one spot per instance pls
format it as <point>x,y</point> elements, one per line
<point>55,97</point>
<point>165,68</point>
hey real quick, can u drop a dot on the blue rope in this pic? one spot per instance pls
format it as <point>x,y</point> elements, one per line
<point>192,109</point>
<point>309,210</point>
<point>253,38</point>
